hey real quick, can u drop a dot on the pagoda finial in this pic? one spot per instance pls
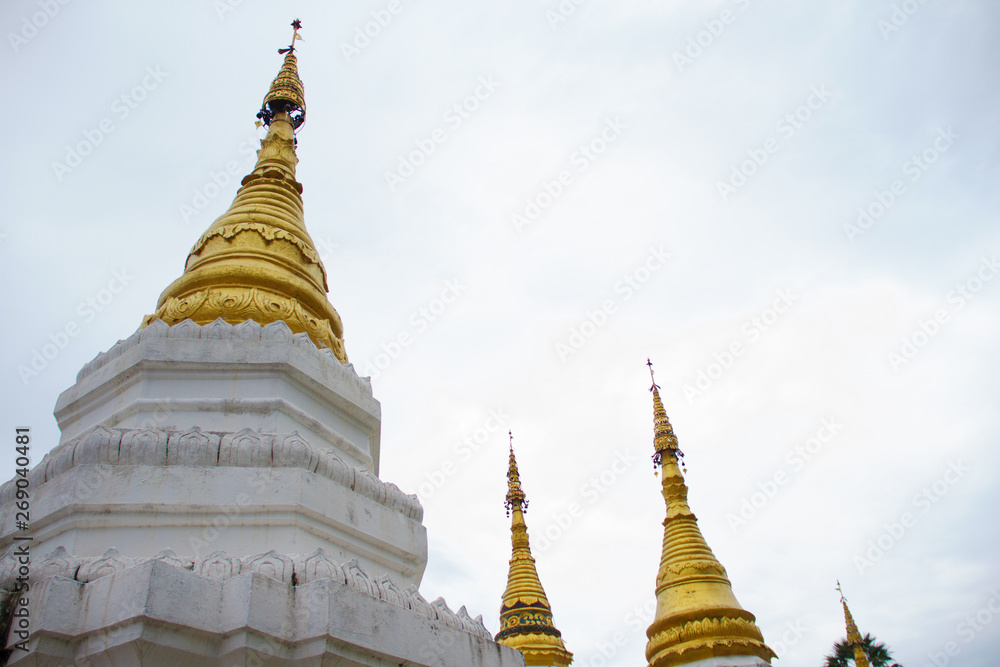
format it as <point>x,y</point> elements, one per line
<point>853,636</point>
<point>287,94</point>
<point>515,496</point>
<point>296,24</point>
<point>525,614</point>
<point>257,261</point>
<point>697,614</point>
<point>664,440</point>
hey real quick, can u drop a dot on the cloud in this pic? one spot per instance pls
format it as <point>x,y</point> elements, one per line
<point>495,346</point>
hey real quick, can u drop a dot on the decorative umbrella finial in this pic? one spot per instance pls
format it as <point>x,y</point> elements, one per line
<point>287,95</point>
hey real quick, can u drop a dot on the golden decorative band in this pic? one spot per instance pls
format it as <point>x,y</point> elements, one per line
<point>267,232</point>
<point>238,304</point>
<point>709,636</point>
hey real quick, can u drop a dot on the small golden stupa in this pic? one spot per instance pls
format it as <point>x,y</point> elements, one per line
<point>525,614</point>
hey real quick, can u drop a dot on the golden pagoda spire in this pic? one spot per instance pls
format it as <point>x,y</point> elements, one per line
<point>257,261</point>
<point>697,614</point>
<point>287,92</point>
<point>853,636</point>
<point>525,614</point>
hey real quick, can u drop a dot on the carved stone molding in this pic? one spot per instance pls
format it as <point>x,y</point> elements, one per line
<point>193,447</point>
<point>249,330</point>
<point>291,569</point>
<point>250,304</point>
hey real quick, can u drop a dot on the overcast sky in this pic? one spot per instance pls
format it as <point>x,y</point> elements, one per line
<point>790,207</point>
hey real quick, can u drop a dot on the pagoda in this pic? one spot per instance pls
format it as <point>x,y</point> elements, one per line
<point>698,620</point>
<point>215,496</point>
<point>525,613</point>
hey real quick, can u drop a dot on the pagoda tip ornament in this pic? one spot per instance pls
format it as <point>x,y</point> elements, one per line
<point>853,636</point>
<point>515,495</point>
<point>664,440</point>
<point>287,95</point>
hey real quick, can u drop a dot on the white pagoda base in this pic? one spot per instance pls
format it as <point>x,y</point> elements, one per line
<point>730,661</point>
<point>268,609</point>
<point>214,500</point>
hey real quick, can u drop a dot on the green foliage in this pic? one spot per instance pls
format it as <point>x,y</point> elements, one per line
<point>878,654</point>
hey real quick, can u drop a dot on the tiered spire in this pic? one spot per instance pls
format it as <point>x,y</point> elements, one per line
<point>697,614</point>
<point>664,441</point>
<point>525,614</point>
<point>853,636</point>
<point>257,261</point>
<point>287,93</point>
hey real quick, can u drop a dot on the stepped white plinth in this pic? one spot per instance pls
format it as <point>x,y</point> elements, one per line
<point>226,378</point>
<point>240,438</point>
<point>269,609</point>
<point>197,465</point>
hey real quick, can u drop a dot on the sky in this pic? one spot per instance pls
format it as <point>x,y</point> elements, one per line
<point>791,208</point>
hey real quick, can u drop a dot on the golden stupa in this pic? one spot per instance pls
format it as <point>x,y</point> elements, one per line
<point>257,261</point>
<point>697,614</point>
<point>525,614</point>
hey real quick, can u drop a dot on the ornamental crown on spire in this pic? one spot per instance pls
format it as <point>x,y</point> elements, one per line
<point>287,94</point>
<point>664,440</point>
<point>515,495</point>
<point>853,636</point>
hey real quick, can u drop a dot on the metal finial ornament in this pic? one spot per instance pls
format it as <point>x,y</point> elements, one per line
<point>515,495</point>
<point>657,457</point>
<point>296,24</point>
<point>287,94</point>
<point>664,440</point>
